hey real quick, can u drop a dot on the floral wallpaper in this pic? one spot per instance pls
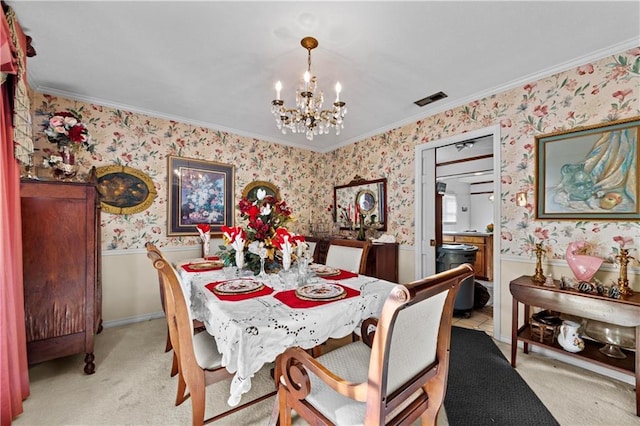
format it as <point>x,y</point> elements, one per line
<point>144,143</point>
<point>605,90</point>
<point>597,92</point>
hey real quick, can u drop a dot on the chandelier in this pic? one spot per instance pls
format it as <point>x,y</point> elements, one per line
<point>308,117</point>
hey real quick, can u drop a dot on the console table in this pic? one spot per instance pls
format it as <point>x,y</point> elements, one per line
<point>623,312</point>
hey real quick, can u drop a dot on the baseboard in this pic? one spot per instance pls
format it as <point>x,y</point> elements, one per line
<point>133,320</point>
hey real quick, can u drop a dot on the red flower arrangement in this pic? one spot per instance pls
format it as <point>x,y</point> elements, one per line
<point>264,217</point>
<point>267,218</point>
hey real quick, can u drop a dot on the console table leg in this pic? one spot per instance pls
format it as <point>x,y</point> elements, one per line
<point>514,332</point>
<point>637,368</point>
<point>527,315</point>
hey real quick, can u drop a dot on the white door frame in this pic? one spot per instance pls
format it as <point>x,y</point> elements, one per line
<point>428,216</point>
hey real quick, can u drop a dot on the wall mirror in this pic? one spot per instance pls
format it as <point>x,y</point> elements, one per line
<point>370,197</point>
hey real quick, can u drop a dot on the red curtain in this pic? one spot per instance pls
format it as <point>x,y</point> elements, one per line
<point>14,374</point>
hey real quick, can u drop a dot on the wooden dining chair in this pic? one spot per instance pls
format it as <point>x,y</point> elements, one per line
<point>312,243</point>
<point>152,248</point>
<point>197,325</point>
<point>199,361</point>
<point>350,255</point>
<point>394,375</point>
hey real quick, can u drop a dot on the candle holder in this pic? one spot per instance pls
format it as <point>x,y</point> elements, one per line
<point>539,277</point>
<point>623,281</point>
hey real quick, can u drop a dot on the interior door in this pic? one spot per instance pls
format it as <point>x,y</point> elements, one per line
<point>428,223</point>
<point>426,217</point>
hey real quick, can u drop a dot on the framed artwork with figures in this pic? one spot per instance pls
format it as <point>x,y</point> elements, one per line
<point>589,173</point>
<point>199,192</point>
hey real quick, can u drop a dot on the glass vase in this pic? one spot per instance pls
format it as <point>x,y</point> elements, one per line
<point>239,259</point>
<point>67,169</point>
<point>262,273</point>
<point>286,261</point>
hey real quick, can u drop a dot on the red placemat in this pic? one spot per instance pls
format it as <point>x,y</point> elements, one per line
<point>290,299</point>
<point>264,291</point>
<point>212,258</point>
<point>188,269</point>
<point>343,275</point>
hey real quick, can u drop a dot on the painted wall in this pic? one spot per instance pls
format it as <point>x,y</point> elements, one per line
<point>593,93</point>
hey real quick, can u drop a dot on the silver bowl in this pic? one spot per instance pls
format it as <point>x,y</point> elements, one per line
<point>613,336</point>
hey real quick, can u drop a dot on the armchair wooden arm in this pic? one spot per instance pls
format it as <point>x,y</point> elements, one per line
<point>296,362</point>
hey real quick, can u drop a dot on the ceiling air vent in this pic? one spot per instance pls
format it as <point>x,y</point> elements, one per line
<point>430,99</point>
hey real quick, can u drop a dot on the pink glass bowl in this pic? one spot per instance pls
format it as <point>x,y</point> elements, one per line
<point>583,267</point>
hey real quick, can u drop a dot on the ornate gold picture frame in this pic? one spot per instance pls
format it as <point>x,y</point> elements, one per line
<point>124,190</point>
<point>249,192</point>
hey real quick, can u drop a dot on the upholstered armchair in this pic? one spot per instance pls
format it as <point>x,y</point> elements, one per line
<point>395,376</point>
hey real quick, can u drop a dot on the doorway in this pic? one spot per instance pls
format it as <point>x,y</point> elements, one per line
<point>428,224</point>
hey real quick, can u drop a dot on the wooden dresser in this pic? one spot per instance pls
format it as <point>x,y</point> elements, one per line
<point>61,258</point>
<point>483,265</point>
<point>382,261</point>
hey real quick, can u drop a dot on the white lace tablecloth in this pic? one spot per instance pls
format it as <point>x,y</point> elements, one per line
<point>252,332</point>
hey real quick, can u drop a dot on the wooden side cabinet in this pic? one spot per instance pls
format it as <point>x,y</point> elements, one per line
<point>61,269</point>
<point>382,261</point>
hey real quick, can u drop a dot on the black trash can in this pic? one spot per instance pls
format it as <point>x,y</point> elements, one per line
<point>448,257</point>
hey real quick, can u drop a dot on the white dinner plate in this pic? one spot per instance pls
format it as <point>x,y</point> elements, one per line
<point>238,286</point>
<point>321,291</point>
<point>324,270</point>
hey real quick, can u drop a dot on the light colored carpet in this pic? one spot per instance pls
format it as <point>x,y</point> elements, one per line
<point>132,386</point>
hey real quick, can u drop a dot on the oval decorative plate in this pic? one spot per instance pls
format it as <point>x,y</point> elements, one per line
<point>324,271</point>
<point>321,291</point>
<point>238,286</point>
<point>206,265</point>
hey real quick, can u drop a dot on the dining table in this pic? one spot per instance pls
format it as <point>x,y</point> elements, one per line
<point>252,328</point>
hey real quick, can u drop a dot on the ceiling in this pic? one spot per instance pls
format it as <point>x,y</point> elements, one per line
<point>215,64</point>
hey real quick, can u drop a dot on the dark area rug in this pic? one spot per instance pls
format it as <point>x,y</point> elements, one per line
<point>484,389</point>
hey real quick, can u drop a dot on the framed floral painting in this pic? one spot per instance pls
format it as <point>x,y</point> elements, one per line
<point>199,192</point>
<point>589,173</point>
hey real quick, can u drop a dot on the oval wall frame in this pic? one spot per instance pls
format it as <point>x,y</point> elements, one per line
<point>124,190</point>
<point>251,189</point>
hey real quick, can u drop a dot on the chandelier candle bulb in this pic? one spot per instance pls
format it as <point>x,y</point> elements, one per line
<point>278,89</point>
<point>338,89</point>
